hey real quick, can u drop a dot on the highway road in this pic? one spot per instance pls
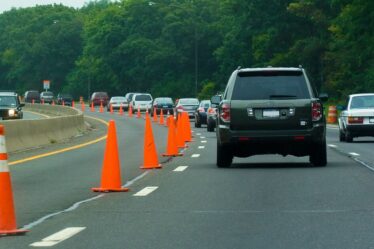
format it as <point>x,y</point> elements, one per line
<point>261,202</point>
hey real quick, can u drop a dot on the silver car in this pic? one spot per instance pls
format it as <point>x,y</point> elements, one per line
<point>357,117</point>
<point>118,101</point>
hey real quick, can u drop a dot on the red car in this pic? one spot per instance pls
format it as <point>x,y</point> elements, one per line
<point>99,97</point>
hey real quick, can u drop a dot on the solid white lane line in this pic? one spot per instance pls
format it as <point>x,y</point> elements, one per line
<point>201,147</point>
<point>146,191</point>
<point>58,237</point>
<point>195,155</point>
<point>180,168</point>
<point>332,145</point>
<point>354,154</point>
<point>202,137</point>
<point>203,141</point>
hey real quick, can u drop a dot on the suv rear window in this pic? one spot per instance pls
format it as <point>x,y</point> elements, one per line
<point>143,97</point>
<point>8,101</point>
<point>259,85</point>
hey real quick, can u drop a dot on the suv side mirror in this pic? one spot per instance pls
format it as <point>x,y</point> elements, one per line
<point>216,99</point>
<point>323,96</point>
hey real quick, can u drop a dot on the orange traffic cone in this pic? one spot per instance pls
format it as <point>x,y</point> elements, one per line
<point>33,101</point>
<point>111,109</point>
<point>186,127</point>
<point>53,102</point>
<point>150,153</point>
<point>120,110</point>
<point>172,148</point>
<point>130,111</point>
<point>73,104</point>
<point>42,101</point>
<point>92,107</point>
<point>82,106</point>
<point>180,138</point>
<point>138,115</point>
<point>101,107</point>
<point>155,118</point>
<point>8,224</point>
<point>111,172</point>
<point>63,103</point>
<point>161,118</point>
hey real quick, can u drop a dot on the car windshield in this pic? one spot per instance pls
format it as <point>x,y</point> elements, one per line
<point>143,97</point>
<point>262,85</point>
<point>189,102</point>
<point>118,99</point>
<point>362,102</point>
<point>8,101</point>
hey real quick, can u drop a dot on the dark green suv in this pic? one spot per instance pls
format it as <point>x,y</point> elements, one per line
<point>270,111</point>
<point>10,106</point>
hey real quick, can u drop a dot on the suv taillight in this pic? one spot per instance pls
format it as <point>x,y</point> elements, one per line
<point>201,109</point>
<point>316,111</point>
<point>180,108</point>
<point>225,113</point>
<point>355,120</point>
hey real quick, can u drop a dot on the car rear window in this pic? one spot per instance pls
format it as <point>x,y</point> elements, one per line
<point>259,85</point>
<point>119,99</point>
<point>362,102</point>
<point>164,101</point>
<point>143,97</point>
<point>189,102</point>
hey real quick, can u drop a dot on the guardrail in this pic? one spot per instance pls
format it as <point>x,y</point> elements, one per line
<point>64,123</point>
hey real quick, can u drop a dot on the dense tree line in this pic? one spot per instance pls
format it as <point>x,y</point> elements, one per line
<point>185,47</point>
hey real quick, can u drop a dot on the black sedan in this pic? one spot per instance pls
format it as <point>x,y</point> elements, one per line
<point>162,103</point>
<point>201,113</point>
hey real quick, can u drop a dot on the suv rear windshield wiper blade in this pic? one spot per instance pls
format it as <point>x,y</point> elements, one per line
<point>282,97</point>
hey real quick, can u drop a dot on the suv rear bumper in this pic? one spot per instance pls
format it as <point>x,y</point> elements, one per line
<point>293,142</point>
<point>361,130</point>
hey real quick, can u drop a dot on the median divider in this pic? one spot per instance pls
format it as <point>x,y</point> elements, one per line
<point>63,123</point>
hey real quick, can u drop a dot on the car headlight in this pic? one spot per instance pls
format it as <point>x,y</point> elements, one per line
<point>11,112</point>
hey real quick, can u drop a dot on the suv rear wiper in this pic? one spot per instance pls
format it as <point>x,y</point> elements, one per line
<point>282,97</point>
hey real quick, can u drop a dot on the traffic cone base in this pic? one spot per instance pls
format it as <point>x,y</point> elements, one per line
<point>172,155</point>
<point>152,167</point>
<point>106,190</point>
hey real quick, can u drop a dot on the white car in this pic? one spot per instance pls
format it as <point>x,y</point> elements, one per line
<point>357,117</point>
<point>116,103</point>
<point>141,101</point>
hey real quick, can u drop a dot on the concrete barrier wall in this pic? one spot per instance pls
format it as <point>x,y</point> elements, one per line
<point>64,123</point>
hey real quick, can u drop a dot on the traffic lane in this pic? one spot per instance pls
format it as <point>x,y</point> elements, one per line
<point>361,148</point>
<point>261,202</point>
<point>27,115</point>
<point>54,183</point>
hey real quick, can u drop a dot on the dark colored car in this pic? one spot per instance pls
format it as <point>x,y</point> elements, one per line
<point>32,95</point>
<point>46,97</point>
<point>188,105</point>
<point>64,98</point>
<point>270,111</point>
<point>201,113</point>
<point>99,97</point>
<point>211,118</point>
<point>10,106</point>
<point>162,103</point>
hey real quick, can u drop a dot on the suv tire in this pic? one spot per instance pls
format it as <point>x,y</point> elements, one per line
<point>341,136</point>
<point>224,156</point>
<point>318,155</point>
<point>348,137</point>
<point>210,126</point>
<point>197,122</point>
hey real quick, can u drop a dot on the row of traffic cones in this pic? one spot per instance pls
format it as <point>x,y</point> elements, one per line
<point>177,137</point>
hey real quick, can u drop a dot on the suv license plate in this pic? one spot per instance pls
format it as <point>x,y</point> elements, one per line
<point>270,113</point>
<point>371,120</point>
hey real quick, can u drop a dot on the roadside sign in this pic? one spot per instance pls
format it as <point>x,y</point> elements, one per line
<point>46,84</point>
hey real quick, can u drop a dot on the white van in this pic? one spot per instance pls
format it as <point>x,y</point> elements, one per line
<point>143,101</point>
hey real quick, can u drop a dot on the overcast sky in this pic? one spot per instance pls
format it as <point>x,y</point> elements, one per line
<point>8,4</point>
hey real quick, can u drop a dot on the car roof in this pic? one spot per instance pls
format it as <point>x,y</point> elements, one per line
<point>270,69</point>
<point>360,94</point>
<point>8,94</point>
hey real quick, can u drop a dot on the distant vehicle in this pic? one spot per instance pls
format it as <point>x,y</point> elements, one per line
<point>188,105</point>
<point>98,98</point>
<point>46,97</point>
<point>163,103</point>
<point>64,98</point>
<point>32,95</point>
<point>118,101</point>
<point>128,97</point>
<point>143,101</point>
<point>10,106</point>
<point>357,117</point>
<point>201,113</point>
<point>270,111</point>
<point>212,115</point>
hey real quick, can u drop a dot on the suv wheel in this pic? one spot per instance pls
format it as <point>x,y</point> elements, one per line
<point>224,156</point>
<point>210,126</point>
<point>341,136</point>
<point>348,137</point>
<point>318,155</point>
<point>197,122</point>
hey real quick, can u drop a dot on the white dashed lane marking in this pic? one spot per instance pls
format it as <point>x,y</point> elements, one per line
<point>58,237</point>
<point>180,168</point>
<point>332,145</point>
<point>203,141</point>
<point>201,147</point>
<point>354,154</point>
<point>195,155</point>
<point>146,191</point>
<point>198,134</point>
<point>202,137</point>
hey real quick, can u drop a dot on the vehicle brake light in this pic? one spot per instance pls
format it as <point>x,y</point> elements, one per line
<point>201,109</point>
<point>211,111</point>
<point>225,114</point>
<point>180,108</point>
<point>316,111</point>
<point>355,120</point>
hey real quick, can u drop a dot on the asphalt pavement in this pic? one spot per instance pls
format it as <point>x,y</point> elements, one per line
<point>260,202</point>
